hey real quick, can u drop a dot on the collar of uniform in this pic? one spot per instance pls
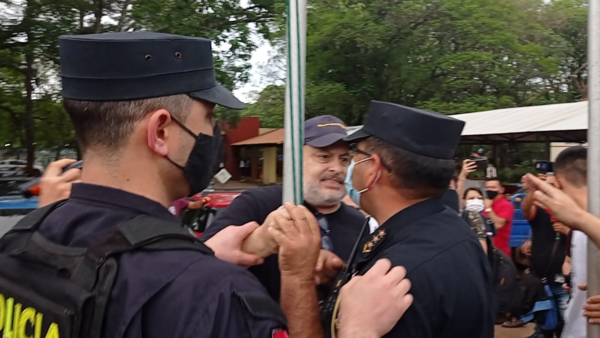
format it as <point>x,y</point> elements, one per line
<point>413,213</point>
<point>119,198</point>
<point>395,225</point>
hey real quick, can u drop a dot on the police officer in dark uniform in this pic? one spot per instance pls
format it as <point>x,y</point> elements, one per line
<point>403,163</point>
<point>141,104</point>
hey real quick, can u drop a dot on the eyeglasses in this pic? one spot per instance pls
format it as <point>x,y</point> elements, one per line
<point>326,243</point>
<point>354,150</point>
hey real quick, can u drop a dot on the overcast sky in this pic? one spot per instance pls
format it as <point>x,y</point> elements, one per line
<point>256,82</point>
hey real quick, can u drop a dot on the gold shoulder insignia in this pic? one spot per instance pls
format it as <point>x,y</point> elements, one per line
<point>377,238</point>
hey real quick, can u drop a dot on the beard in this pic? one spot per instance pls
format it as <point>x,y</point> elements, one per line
<point>321,197</point>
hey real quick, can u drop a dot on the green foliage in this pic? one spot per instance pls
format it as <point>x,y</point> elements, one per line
<point>513,175</point>
<point>269,107</point>
<point>451,56</point>
<point>30,110</point>
<point>226,22</point>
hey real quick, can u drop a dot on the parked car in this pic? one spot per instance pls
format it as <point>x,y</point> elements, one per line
<point>200,219</point>
<point>12,208</point>
<point>14,167</point>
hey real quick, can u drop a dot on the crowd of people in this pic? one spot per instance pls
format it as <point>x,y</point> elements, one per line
<point>556,251</point>
<point>387,243</point>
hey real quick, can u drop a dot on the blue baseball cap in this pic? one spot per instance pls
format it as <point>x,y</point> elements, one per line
<point>323,131</point>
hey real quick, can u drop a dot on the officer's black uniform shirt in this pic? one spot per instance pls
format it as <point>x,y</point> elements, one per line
<point>256,204</point>
<point>546,259</point>
<point>451,200</point>
<point>448,270</point>
<point>163,293</point>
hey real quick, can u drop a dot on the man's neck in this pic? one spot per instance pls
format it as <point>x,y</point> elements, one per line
<point>328,210</point>
<point>391,204</point>
<point>580,196</point>
<point>120,176</point>
<point>324,209</point>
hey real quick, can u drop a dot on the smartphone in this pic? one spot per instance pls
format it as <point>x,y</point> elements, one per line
<point>482,161</point>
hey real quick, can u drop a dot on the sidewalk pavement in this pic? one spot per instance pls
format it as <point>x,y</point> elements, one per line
<point>521,332</point>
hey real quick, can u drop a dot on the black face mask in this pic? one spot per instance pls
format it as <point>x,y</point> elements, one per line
<point>491,194</point>
<point>203,162</point>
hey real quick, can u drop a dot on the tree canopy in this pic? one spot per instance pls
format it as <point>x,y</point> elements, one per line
<point>30,110</point>
<point>450,56</point>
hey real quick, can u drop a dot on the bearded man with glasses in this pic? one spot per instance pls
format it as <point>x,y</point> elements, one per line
<point>326,160</point>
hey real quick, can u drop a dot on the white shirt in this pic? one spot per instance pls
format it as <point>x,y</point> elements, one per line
<point>575,322</point>
<point>373,225</point>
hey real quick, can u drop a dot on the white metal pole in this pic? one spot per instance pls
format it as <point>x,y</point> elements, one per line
<point>294,102</point>
<point>593,271</point>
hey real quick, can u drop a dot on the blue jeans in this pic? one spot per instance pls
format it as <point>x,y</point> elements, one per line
<point>560,298</point>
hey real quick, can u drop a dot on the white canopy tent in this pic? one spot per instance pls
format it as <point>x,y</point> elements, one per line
<point>565,122</point>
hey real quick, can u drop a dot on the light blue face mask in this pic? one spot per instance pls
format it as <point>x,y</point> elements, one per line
<point>353,193</point>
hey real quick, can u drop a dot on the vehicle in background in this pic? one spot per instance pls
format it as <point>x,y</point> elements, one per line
<point>14,167</point>
<point>12,208</point>
<point>200,219</point>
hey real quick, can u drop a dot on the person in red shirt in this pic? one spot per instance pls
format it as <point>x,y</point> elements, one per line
<point>500,211</point>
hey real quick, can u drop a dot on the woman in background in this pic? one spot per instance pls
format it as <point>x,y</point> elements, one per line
<point>474,205</point>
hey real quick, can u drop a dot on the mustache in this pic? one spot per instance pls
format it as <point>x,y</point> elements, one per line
<point>337,177</point>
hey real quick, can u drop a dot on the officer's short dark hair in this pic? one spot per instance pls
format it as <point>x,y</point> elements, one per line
<point>106,126</point>
<point>571,164</point>
<point>494,179</point>
<point>416,176</point>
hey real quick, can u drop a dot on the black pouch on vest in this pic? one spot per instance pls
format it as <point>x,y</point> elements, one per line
<point>53,291</point>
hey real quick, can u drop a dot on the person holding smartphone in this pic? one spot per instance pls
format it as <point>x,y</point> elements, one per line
<point>500,211</point>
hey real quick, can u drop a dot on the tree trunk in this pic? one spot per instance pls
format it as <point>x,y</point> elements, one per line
<point>123,16</point>
<point>81,20</point>
<point>29,127</point>
<point>98,15</point>
<point>29,78</point>
<point>60,148</point>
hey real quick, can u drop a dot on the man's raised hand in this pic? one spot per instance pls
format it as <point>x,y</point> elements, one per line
<point>56,185</point>
<point>297,232</point>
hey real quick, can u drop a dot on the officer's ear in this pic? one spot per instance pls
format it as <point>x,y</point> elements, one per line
<point>159,129</point>
<point>375,171</point>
